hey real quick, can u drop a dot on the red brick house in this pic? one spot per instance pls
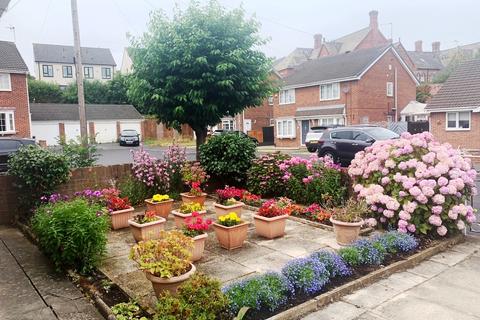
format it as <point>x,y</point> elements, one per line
<point>455,109</point>
<point>424,64</point>
<point>363,86</point>
<point>14,105</point>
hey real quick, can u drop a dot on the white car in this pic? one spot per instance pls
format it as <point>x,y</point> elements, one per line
<point>313,135</point>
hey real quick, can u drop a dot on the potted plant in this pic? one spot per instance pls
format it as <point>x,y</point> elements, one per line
<point>196,228</point>
<point>120,211</point>
<point>231,231</point>
<point>185,211</point>
<point>228,201</point>
<point>270,221</point>
<point>161,204</point>
<point>146,226</point>
<point>193,176</point>
<point>166,261</point>
<point>347,221</point>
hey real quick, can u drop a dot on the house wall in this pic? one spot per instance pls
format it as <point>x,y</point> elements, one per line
<point>17,100</point>
<point>58,73</point>
<point>373,39</point>
<point>459,139</point>
<point>127,63</point>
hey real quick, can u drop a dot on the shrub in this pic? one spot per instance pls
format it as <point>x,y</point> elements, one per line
<point>228,157</point>
<point>415,184</point>
<point>306,275</point>
<point>333,263</point>
<point>350,255</point>
<point>267,291</point>
<point>395,242</point>
<point>199,298</point>
<point>78,155</point>
<point>150,171</point>
<point>73,234</point>
<point>175,158</point>
<point>134,190</point>
<point>127,311</point>
<point>265,177</point>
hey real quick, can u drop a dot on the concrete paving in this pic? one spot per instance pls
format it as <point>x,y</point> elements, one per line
<point>30,289</point>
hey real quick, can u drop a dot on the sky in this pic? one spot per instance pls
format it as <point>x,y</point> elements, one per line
<point>287,24</point>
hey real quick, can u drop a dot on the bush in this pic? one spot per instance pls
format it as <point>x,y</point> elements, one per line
<point>396,242</point>
<point>415,184</point>
<point>77,155</point>
<point>370,251</point>
<point>73,234</point>
<point>265,177</point>
<point>350,255</point>
<point>175,157</point>
<point>333,263</point>
<point>199,298</point>
<point>228,157</point>
<point>134,190</point>
<point>150,171</point>
<point>267,291</point>
<point>306,275</point>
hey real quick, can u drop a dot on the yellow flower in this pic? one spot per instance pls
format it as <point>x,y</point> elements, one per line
<point>160,197</point>
<point>222,218</point>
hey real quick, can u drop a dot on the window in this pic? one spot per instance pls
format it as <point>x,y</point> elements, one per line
<point>47,70</point>
<point>330,91</point>
<point>88,72</point>
<point>7,123</point>
<point>458,120</point>
<point>286,128</point>
<point>346,135</point>
<point>360,136</point>
<point>365,119</point>
<point>228,125</point>
<point>67,72</point>
<point>106,73</point>
<point>5,83</point>
<point>287,96</point>
<point>270,100</point>
<point>272,122</point>
<point>389,89</point>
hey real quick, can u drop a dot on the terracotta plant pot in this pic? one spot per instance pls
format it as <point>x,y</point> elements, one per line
<point>270,227</point>
<point>161,284</point>
<point>181,217</point>
<point>346,232</point>
<point>162,209</point>
<point>198,246</point>
<point>187,198</point>
<point>221,210</point>
<point>120,218</point>
<point>231,237</point>
<point>147,231</point>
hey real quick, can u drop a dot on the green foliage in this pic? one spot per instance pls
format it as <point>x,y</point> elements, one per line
<point>73,234</point>
<point>265,177</point>
<point>352,211</point>
<point>227,157</point>
<point>199,298</point>
<point>127,311</point>
<point>42,91</point>
<point>79,156</point>
<point>134,190</point>
<point>350,255</point>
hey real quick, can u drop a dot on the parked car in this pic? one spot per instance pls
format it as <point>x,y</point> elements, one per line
<point>241,133</point>
<point>9,146</point>
<point>129,137</point>
<point>313,135</point>
<point>341,144</point>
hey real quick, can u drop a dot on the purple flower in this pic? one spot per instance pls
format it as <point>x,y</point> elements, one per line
<point>307,275</point>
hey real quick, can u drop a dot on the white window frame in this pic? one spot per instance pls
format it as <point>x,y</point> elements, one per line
<point>457,118</point>
<point>272,122</point>
<point>330,87</point>
<point>389,89</point>
<point>230,123</point>
<point>270,100</point>
<point>10,127</point>
<point>9,82</point>
<point>286,97</point>
<point>285,128</point>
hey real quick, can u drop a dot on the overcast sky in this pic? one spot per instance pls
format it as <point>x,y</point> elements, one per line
<point>288,24</point>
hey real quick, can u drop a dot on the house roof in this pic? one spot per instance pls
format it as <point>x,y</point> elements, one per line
<point>3,6</point>
<point>64,54</point>
<point>461,90</point>
<point>69,112</point>
<point>425,60</point>
<point>10,58</point>
<point>306,112</point>
<point>296,57</point>
<point>414,107</point>
<point>352,40</point>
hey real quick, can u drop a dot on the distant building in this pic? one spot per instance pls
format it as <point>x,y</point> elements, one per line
<point>127,63</point>
<point>56,64</point>
<point>3,6</point>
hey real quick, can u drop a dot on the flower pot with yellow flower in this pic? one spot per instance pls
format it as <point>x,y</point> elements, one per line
<point>185,212</point>
<point>231,231</point>
<point>228,201</point>
<point>146,226</point>
<point>161,204</point>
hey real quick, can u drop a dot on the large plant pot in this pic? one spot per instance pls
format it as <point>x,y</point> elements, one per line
<point>221,210</point>
<point>161,209</point>
<point>187,198</point>
<point>162,284</point>
<point>231,237</point>
<point>181,217</point>
<point>147,231</point>
<point>198,246</point>
<point>346,232</point>
<point>270,227</point>
<point>120,218</point>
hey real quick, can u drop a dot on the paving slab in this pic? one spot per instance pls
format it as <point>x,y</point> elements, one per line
<point>402,281</point>
<point>371,296</point>
<point>337,311</point>
<point>449,257</point>
<point>428,268</point>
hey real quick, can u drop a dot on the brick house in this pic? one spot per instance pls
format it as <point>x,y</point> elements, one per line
<point>363,86</point>
<point>455,109</point>
<point>14,105</point>
<point>424,64</point>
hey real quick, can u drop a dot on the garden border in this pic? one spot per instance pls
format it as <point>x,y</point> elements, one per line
<point>323,299</point>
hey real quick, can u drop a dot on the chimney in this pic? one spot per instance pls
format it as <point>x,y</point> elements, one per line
<point>373,19</point>
<point>436,46</point>
<point>418,46</point>
<point>317,41</point>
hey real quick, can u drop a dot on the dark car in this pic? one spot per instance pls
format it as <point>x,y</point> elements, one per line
<point>129,137</point>
<point>341,144</point>
<point>9,146</point>
<point>240,133</point>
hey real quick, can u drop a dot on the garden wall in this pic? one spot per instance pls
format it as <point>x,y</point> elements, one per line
<point>82,178</point>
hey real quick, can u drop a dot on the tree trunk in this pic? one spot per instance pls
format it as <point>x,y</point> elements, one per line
<point>201,135</point>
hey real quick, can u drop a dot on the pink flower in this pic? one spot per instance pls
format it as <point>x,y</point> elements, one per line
<point>442,181</point>
<point>460,225</point>
<point>442,230</point>
<point>435,220</point>
<point>452,214</point>
<point>437,210</point>
<point>388,213</point>
<point>371,222</point>
<point>411,227</point>
<point>415,191</point>
<point>438,199</point>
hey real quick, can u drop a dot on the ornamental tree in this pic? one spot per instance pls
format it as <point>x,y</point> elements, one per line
<point>200,65</point>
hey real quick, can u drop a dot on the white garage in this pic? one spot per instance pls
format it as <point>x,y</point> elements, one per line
<point>52,120</point>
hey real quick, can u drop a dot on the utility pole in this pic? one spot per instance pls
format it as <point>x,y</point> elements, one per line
<point>79,75</point>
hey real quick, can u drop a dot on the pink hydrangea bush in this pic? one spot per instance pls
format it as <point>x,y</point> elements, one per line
<point>415,184</point>
<point>151,171</point>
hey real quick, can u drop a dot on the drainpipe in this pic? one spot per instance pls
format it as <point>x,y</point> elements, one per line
<point>396,98</point>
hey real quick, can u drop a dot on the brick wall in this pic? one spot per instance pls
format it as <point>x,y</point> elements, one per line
<point>458,139</point>
<point>373,39</point>
<point>17,100</point>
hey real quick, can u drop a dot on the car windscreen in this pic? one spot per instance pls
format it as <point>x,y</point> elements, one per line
<point>129,133</point>
<point>381,133</point>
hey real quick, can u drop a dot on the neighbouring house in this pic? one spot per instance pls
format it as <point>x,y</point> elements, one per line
<point>414,111</point>
<point>52,121</point>
<point>425,64</point>
<point>359,87</point>
<point>55,63</point>
<point>14,105</point>
<point>455,109</point>
<point>127,63</point>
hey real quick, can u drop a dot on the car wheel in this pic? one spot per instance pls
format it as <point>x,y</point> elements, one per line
<point>311,149</point>
<point>331,155</point>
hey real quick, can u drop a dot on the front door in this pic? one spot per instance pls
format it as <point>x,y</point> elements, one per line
<point>305,128</point>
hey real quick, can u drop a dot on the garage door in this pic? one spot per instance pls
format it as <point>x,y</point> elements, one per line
<point>105,132</point>
<point>72,131</point>
<point>131,125</point>
<point>45,131</point>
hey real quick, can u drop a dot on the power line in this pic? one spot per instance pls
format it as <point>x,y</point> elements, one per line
<point>44,19</point>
